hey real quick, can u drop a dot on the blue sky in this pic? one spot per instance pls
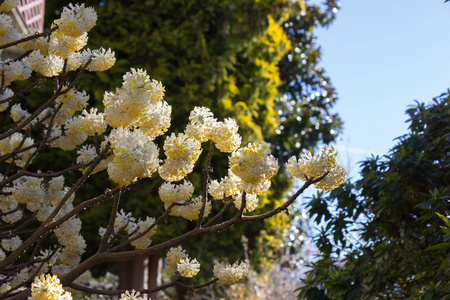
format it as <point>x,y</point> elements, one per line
<point>381,55</point>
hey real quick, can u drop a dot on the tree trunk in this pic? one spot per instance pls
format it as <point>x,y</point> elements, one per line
<point>154,273</point>
<point>131,274</point>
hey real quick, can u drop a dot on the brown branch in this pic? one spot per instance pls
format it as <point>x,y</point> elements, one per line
<point>29,38</point>
<point>222,210</point>
<point>130,240</point>
<point>38,81</point>
<point>112,219</point>
<point>285,205</point>
<point>19,58</point>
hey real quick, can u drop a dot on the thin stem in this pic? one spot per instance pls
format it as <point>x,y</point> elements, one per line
<point>197,286</point>
<point>29,38</point>
<point>205,184</point>
<point>112,219</point>
<point>222,210</point>
<point>38,81</point>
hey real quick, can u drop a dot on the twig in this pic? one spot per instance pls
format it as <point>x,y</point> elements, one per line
<point>112,219</point>
<point>29,38</point>
<point>205,185</point>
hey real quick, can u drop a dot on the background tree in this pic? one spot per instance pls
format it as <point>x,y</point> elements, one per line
<point>382,236</point>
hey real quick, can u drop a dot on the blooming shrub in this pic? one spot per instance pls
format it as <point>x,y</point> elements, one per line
<point>119,140</point>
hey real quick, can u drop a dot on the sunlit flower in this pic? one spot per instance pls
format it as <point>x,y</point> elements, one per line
<point>101,59</point>
<point>155,120</point>
<point>65,45</point>
<point>191,211</point>
<point>230,274</point>
<point>48,287</point>
<point>94,122</point>
<point>176,193</point>
<point>133,295</point>
<point>225,135</point>
<point>174,255</point>
<point>182,152</point>
<point>255,165</point>
<point>76,19</point>
<point>251,202</point>
<point>228,186</point>
<point>201,120</point>
<point>335,178</point>
<point>16,143</point>
<point>134,156</point>
<point>188,268</point>
<point>87,154</point>
<point>314,166</point>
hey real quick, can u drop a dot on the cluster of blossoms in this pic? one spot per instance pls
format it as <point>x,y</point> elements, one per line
<point>179,262</point>
<point>48,287</point>
<point>314,166</point>
<point>229,186</point>
<point>133,295</point>
<point>177,197</point>
<point>125,222</point>
<point>230,274</point>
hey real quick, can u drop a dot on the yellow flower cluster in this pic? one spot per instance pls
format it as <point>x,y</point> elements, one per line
<point>125,222</point>
<point>182,152</point>
<point>134,156</point>
<point>230,274</point>
<point>254,165</point>
<point>179,261</point>
<point>203,126</point>
<point>133,295</point>
<point>48,287</point>
<point>314,166</point>
<point>138,103</point>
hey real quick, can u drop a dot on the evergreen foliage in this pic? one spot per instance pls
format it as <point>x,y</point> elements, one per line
<point>387,235</point>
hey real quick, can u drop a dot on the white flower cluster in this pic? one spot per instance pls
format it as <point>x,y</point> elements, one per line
<point>230,274</point>
<point>179,261</point>
<point>20,145</point>
<point>38,195</point>
<point>180,194</point>
<point>65,44</point>
<point>42,197</point>
<point>182,152</point>
<point>230,186</point>
<point>48,287</point>
<point>125,222</point>
<point>203,126</point>
<point>68,234</point>
<point>134,156</point>
<point>254,165</point>
<point>133,295</point>
<point>138,103</point>
<point>314,166</point>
